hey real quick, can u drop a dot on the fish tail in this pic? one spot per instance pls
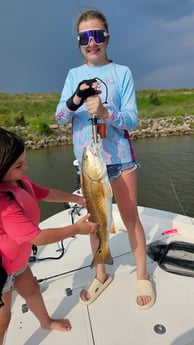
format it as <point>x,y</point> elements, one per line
<point>102,256</point>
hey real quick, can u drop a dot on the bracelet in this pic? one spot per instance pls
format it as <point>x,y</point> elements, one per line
<point>71,105</point>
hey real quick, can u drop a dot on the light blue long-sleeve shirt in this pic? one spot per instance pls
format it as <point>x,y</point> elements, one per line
<point>121,103</point>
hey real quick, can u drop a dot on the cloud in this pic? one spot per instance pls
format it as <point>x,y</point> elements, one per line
<point>167,10</point>
<point>167,52</point>
<point>38,41</point>
<point>178,76</point>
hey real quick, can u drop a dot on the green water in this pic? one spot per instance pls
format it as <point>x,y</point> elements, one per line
<point>166,176</point>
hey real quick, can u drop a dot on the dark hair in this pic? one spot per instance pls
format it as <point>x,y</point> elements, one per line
<point>92,14</point>
<point>11,147</point>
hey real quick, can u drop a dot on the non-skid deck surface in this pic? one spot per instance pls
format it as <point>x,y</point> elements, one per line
<point>113,318</point>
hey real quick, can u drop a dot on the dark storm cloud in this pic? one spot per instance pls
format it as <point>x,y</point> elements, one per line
<point>38,42</point>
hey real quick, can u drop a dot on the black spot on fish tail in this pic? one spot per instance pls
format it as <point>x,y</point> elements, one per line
<point>102,257</point>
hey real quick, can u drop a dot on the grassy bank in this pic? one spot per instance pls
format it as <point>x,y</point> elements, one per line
<point>37,110</point>
<point>165,103</point>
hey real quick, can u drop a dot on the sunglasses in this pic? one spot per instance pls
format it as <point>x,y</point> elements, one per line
<point>99,37</point>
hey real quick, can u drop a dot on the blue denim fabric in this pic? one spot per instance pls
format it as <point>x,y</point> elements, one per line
<point>114,170</point>
<point>10,279</point>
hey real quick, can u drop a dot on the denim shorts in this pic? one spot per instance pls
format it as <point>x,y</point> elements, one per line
<point>10,279</point>
<point>115,170</point>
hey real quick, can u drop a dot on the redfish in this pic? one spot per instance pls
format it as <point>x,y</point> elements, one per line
<point>98,194</point>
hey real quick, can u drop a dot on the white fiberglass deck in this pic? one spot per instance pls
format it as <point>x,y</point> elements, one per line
<point>113,318</point>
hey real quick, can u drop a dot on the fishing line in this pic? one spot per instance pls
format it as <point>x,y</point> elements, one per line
<point>106,87</point>
<point>179,201</point>
<point>77,269</point>
<point>177,197</point>
<point>63,273</point>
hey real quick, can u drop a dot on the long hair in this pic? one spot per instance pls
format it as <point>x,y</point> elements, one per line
<point>11,147</point>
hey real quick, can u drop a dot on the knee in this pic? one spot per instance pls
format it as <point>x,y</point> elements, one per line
<point>30,292</point>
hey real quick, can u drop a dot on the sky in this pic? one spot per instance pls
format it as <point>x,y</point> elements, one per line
<point>38,43</point>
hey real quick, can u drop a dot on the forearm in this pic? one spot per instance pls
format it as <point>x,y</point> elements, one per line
<point>63,114</point>
<point>122,107</point>
<point>56,195</point>
<point>48,236</point>
<point>82,227</point>
<point>127,120</point>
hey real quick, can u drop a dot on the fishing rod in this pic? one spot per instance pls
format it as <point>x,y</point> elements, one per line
<point>99,129</point>
<point>95,135</point>
<point>179,201</point>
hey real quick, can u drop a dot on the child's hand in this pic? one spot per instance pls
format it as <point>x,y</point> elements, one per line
<point>81,201</point>
<point>84,227</point>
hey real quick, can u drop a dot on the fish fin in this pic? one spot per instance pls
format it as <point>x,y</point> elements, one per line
<point>106,187</point>
<point>103,189</point>
<point>113,229</point>
<point>102,257</point>
<point>109,188</point>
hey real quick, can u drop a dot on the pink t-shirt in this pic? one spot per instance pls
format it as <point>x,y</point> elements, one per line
<point>19,220</point>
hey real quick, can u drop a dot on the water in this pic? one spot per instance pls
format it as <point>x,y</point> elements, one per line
<point>52,167</point>
<point>165,177</point>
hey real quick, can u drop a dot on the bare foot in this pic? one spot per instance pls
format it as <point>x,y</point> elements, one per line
<point>62,325</point>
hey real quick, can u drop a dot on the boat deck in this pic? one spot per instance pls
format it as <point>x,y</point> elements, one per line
<point>113,318</point>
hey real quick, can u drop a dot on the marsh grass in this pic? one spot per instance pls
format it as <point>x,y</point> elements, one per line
<point>39,109</point>
<point>165,103</point>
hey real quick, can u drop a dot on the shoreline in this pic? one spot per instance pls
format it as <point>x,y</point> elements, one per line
<point>147,128</point>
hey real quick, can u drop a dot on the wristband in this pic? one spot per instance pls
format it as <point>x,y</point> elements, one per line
<point>71,105</point>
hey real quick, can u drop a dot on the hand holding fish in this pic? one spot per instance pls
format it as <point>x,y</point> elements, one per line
<point>95,107</point>
<point>80,200</point>
<point>84,227</point>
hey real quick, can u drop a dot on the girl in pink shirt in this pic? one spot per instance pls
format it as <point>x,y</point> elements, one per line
<point>19,230</point>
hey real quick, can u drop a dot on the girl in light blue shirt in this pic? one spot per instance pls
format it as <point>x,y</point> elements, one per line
<point>105,89</point>
<point>121,108</point>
